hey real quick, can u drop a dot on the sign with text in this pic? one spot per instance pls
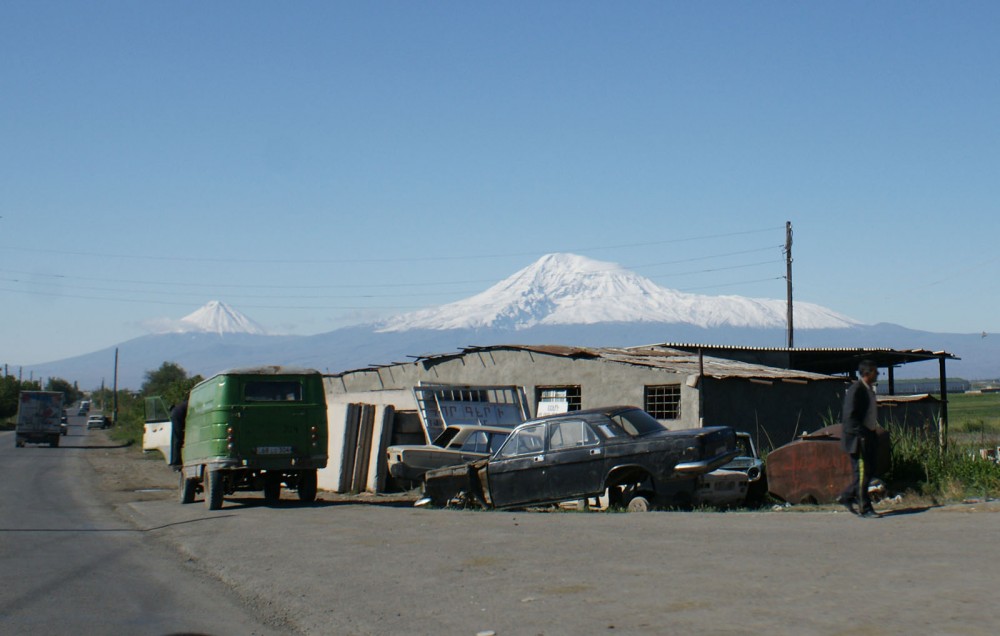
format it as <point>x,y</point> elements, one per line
<point>479,413</point>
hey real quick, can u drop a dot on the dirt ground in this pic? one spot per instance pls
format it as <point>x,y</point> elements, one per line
<point>376,565</point>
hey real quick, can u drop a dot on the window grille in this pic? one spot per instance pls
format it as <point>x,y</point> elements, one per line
<point>664,401</point>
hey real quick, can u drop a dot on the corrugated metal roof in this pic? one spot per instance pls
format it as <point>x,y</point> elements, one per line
<point>684,358</point>
<point>678,361</point>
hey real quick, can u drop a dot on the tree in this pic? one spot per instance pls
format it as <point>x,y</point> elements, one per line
<point>70,393</point>
<point>170,381</point>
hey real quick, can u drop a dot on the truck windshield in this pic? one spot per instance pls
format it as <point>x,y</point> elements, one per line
<point>272,392</point>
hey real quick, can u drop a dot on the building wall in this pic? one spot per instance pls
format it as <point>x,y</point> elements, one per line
<point>774,414</point>
<point>601,382</point>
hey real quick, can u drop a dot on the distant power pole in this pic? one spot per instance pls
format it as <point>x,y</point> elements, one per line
<point>788,282</point>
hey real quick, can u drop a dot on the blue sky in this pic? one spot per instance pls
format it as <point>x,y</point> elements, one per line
<point>317,164</point>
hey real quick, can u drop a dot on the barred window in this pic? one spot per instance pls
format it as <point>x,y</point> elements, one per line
<point>558,399</point>
<point>664,401</point>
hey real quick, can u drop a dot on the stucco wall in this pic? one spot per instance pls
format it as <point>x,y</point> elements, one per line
<point>601,382</point>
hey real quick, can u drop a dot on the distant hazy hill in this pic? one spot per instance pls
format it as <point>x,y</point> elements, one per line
<point>560,299</point>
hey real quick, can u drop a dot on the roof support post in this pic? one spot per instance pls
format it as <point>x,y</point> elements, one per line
<point>892,379</point>
<point>943,428</point>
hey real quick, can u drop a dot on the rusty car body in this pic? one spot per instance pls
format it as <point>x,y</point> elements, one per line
<point>459,444</point>
<point>621,450</point>
<point>815,468</point>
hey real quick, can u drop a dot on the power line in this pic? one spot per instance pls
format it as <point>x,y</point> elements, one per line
<point>412,259</point>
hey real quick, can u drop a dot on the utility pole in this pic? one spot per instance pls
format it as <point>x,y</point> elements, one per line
<point>788,282</point>
<point>114,401</point>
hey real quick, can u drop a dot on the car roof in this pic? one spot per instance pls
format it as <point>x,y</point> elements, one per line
<point>607,411</point>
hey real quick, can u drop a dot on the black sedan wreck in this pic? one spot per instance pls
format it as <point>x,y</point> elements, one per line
<point>620,450</point>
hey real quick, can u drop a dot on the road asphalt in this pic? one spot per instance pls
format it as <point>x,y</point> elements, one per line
<point>376,565</point>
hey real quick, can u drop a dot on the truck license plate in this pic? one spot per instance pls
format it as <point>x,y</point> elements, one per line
<point>274,450</point>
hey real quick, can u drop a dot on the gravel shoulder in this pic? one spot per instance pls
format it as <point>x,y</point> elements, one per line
<point>376,565</point>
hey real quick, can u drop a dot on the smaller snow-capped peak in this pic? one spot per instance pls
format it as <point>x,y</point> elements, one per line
<point>563,289</point>
<point>218,317</point>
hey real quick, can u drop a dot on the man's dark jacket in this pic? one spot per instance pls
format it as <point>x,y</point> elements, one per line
<point>856,404</point>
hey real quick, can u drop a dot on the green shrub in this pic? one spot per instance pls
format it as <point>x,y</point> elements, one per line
<point>919,464</point>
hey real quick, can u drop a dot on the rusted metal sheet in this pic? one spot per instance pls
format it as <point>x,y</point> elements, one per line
<point>814,468</point>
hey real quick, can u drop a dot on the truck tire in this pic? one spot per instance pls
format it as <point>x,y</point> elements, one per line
<point>272,488</point>
<point>214,489</point>
<point>54,441</point>
<point>188,488</point>
<point>307,486</point>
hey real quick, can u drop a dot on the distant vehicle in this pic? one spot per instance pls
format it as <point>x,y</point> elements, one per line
<point>458,444</point>
<point>84,407</point>
<point>97,421</point>
<point>254,429</point>
<point>621,450</point>
<point>38,415</point>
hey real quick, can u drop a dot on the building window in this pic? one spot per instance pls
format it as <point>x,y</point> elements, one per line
<point>557,399</point>
<point>664,401</point>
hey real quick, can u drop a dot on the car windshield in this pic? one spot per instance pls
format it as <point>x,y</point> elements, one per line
<point>637,422</point>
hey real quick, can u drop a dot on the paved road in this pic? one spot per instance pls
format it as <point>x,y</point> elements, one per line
<point>343,567</point>
<point>367,569</point>
<point>71,566</point>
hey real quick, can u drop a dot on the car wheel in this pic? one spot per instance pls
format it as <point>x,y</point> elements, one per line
<point>639,504</point>
<point>215,490</point>
<point>272,487</point>
<point>188,488</point>
<point>307,486</point>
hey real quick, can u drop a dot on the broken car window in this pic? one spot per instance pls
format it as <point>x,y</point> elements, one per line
<point>527,441</point>
<point>637,422</point>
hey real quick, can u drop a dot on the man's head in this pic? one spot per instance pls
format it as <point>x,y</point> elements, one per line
<point>868,370</point>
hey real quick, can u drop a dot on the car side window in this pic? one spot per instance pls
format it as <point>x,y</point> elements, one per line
<point>571,434</point>
<point>476,443</point>
<point>527,441</point>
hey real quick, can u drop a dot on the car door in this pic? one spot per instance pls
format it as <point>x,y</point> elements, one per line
<point>516,473</point>
<point>574,461</point>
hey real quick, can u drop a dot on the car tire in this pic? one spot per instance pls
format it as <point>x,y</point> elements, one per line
<point>215,489</point>
<point>272,488</point>
<point>639,504</point>
<point>307,486</point>
<point>188,488</point>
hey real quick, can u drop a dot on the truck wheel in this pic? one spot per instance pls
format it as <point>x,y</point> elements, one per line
<point>54,442</point>
<point>214,489</point>
<point>307,486</point>
<point>188,488</point>
<point>19,443</point>
<point>272,488</point>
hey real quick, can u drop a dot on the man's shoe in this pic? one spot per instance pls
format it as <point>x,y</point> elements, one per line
<point>847,502</point>
<point>869,513</point>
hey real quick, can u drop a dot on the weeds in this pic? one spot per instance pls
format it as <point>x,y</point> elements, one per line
<point>919,464</point>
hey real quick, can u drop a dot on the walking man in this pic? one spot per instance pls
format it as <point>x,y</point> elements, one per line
<point>860,420</point>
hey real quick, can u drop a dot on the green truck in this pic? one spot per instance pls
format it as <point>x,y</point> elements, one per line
<point>254,429</point>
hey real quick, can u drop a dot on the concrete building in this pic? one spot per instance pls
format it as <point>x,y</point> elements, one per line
<point>369,409</point>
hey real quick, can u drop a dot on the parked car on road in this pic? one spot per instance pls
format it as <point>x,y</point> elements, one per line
<point>458,444</point>
<point>620,450</point>
<point>97,421</point>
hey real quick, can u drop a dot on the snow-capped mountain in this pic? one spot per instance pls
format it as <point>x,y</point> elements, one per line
<point>567,289</point>
<point>218,317</point>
